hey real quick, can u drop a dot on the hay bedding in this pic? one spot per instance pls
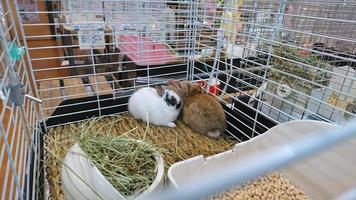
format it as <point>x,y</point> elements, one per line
<point>178,144</point>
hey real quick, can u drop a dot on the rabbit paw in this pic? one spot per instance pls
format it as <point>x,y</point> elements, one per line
<point>171,124</point>
<point>214,134</point>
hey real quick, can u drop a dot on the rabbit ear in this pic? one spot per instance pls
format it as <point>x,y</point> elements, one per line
<point>160,90</point>
<point>203,84</point>
<point>189,88</point>
<point>175,83</point>
<point>194,89</point>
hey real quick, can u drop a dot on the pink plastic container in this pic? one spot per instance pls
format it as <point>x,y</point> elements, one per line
<point>144,51</point>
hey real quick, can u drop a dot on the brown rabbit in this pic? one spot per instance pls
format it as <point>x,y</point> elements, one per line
<point>179,87</point>
<point>201,112</point>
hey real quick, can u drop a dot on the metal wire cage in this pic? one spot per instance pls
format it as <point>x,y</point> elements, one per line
<point>20,114</point>
<point>267,62</point>
<point>297,57</point>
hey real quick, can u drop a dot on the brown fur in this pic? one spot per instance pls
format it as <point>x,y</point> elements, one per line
<point>160,90</point>
<point>176,89</point>
<point>201,112</point>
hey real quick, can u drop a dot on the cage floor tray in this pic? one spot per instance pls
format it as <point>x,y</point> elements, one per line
<point>143,51</point>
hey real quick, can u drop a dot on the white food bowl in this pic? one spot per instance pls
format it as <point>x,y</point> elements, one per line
<point>82,180</point>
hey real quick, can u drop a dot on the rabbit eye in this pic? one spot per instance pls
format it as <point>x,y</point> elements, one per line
<point>170,100</point>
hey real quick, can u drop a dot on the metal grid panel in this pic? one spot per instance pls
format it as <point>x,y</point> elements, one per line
<point>134,44</point>
<point>286,60</point>
<point>19,114</point>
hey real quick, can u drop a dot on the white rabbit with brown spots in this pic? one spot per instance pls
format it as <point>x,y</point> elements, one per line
<point>158,106</point>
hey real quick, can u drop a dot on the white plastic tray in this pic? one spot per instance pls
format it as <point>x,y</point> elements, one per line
<point>326,175</point>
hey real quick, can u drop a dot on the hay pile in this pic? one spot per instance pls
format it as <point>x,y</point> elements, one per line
<point>271,186</point>
<point>128,164</point>
<point>178,144</point>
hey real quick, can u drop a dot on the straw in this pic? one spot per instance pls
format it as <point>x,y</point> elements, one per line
<point>176,144</point>
<point>129,165</point>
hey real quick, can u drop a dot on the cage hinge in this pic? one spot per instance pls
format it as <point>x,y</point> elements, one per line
<point>17,94</point>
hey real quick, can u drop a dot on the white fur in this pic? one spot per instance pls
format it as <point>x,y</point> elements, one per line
<point>214,134</point>
<point>146,103</point>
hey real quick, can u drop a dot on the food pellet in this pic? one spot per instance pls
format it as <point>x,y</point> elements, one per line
<point>270,186</point>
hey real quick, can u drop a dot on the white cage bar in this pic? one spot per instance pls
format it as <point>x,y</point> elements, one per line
<point>20,115</point>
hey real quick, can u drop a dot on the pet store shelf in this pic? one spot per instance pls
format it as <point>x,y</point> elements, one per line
<point>53,93</point>
<point>74,88</point>
<point>100,85</point>
<point>49,91</point>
